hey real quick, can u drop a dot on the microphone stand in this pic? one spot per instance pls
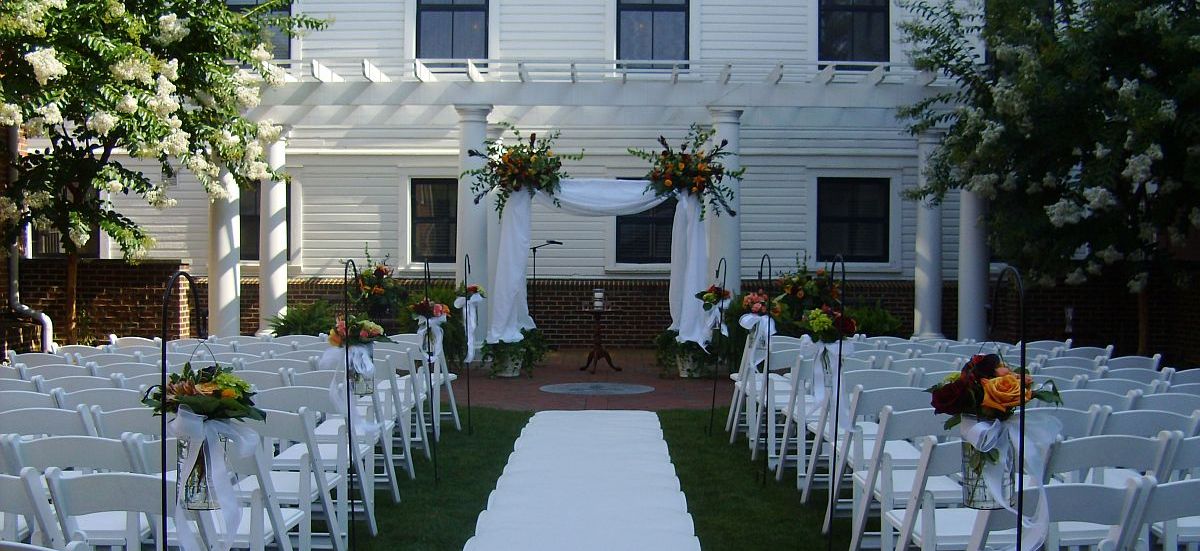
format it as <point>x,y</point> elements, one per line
<point>533,281</point>
<point>723,274</point>
<point>202,331</point>
<point>837,407</point>
<point>1016,277</point>
<point>766,258</point>
<point>349,267</point>
<point>436,416</point>
<point>467,366</point>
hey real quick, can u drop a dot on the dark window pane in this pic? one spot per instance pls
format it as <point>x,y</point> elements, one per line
<point>470,36</point>
<point>652,29</point>
<point>670,35</point>
<point>249,209</point>
<point>452,29</point>
<point>437,33</point>
<point>636,35</point>
<point>853,30</point>
<point>434,219</point>
<point>853,219</point>
<point>280,43</point>
<point>645,237</point>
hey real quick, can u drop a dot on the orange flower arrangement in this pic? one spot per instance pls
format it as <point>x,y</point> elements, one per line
<point>698,172</point>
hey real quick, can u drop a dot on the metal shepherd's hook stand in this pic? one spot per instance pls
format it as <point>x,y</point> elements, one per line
<point>349,271</point>
<point>202,331</point>
<point>1016,277</point>
<point>466,366</point>
<point>837,402</point>
<point>766,467</point>
<point>436,416</point>
<point>722,274</point>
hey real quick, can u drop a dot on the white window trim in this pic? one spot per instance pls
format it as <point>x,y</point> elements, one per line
<point>896,51</point>
<point>610,29</point>
<point>410,32</point>
<point>408,264</point>
<point>410,29</point>
<point>895,215</point>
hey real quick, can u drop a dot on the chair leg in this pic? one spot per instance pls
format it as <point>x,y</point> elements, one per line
<point>453,402</point>
<point>389,463</point>
<point>735,402</point>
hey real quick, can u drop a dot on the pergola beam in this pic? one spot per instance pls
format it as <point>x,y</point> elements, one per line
<point>422,72</point>
<point>473,72</point>
<point>776,74</point>
<point>325,74</point>
<point>372,73</point>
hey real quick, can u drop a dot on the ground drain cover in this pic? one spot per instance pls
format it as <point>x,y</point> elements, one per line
<point>597,389</point>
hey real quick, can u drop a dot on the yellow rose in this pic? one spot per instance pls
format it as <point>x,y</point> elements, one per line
<point>208,389</point>
<point>1002,393</point>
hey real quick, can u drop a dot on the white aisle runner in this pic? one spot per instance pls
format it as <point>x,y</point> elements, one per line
<point>587,480</point>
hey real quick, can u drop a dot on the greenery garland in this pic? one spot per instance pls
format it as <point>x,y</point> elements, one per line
<point>529,165</point>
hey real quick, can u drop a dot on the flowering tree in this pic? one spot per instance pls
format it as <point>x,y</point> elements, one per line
<point>1081,127</point>
<point>153,79</point>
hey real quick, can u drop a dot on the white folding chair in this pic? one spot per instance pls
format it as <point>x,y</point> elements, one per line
<point>302,355</point>
<point>915,348</point>
<point>105,398</point>
<point>1135,362</point>
<point>116,358</point>
<point>1145,376</point>
<point>883,341</point>
<point>54,371</point>
<point>34,359</point>
<point>124,342</point>
<point>77,452</point>
<point>297,340</point>
<point>765,401</point>
<point>75,383</point>
<point>115,422</point>
<point>138,382</point>
<point>47,421</point>
<point>78,351</point>
<point>1183,404</point>
<point>1088,352</point>
<point>922,363</point>
<point>1190,388</point>
<point>1068,371</point>
<point>25,512</point>
<point>84,505</point>
<point>1077,423</point>
<point>263,349</point>
<point>262,380</point>
<point>234,340</point>
<point>275,364</point>
<point>18,385</point>
<point>18,399</point>
<point>1077,398</point>
<point>957,359</point>
<point>1186,376</point>
<point>1117,386</point>
<point>320,378</point>
<point>1108,508</point>
<point>1091,363</point>
<point>1149,422</point>
<point>128,369</point>
<point>1171,511</point>
<point>442,378</point>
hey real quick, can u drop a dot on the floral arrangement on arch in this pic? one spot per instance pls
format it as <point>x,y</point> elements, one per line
<point>528,165</point>
<point>212,392</point>
<point>699,171</point>
<point>987,388</point>
<point>359,331</point>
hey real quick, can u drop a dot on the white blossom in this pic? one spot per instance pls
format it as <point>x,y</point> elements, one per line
<point>1112,83</point>
<point>34,127</point>
<point>158,199</point>
<point>983,184</point>
<point>254,152</point>
<point>46,66</point>
<point>260,53</point>
<point>1138,283</point>
<point>8,210</point>
<point>268,131</point>
<point>127,105</point>
<point>1099,198</point>
<point>1066,211</point>
<point>38,200</point>
<point>258,171</point>
<point>162,105</point>
<point>170,69</point>
<point>1101,151</point>
<point>50,114</point>
<point>133,69</point>
<point>216,191</point>
<point>991,132</point>
<point>273,75</point>
<point>115,8</point>
<point>247,96</point>
<point>228,139</point>
<point>10,115</point>
<point>171,29</point>
<point>1137,169</point>
<point>102,123</point>
<point>1128,89</point>
<point>1166,110</point>
<point>114,186</point>
<point>199,165</point>
<point>1076,277</point>
<point>140,250</point>
<point>164,86</point>
<point>1147,71</point>
<point>79,236</point>
<point>176,143</point>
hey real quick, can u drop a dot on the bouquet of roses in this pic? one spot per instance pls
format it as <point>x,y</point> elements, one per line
<point>828,325</point>
<point>212,392</point>
<point>471,290</point>
<point>427,309</point>
<point>378,289</point>
<point>987,388</point>
<point>760,303</point>
<point>804,290</point>
<point>529,165</point>
<point>358,331</point>
<point>712,296</point>
<point>698,172</point>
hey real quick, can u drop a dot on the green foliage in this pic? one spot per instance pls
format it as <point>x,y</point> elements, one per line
<point>166,80</point>
<point>378,291</point>
<point>875,320</point>
<point>1081,128</point>
<point>454,335</point>
<point>212,392</point>
<point>668,350</point>
<point>529,351</point>
<point>304,319</point>
<point>699,172</point>
<point>530,164</point>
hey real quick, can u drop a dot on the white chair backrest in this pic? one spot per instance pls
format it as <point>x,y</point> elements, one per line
<point>1186,376</point>
<point>1176,402</point>
<point>1139,453</point>
<point>921,363</point>
<point>9,372</point>
<point>1088,352</point>
<point>1075,423</point>
<point>1138,374</point>
<point>866,404</point>
<point>146,353</point>
<point>109,492</point>
<point>23,495</point>
<point>1063,383</point>
<point>79,452</point>
<point>1073,361</point>
<point>18,399</point>
<point>106,398</point>
<point>113,358</point>
<point>920,348</point>
<point>292,398</point>
<point>320,378</point>
<point>34,359</point>
<point>80,351</point>
<point>882,341</point>
<point>275,364</point>
<point>128,369</point>
<point>784,359</point>
<point>1139,362</point>
<point>1105,505</point>
<point>1067,371</point>
<point>973,349</point>
<point>928,379</point>
<point>74,383</point>
<point>876,378</point>
<point>1186,463</point>
<point>1084,397</point>
<point>936,460</point>
<point>232,357</point>
<point>1124,385</point>
<point>264,349</point>
<point>1141,422</point>
<point>302,355</point>
<point>54,371</point>
<point>114,422</point>
<point>314,347</point>
<point>1190,388</point>
<point>294,340</point>
<point>47,422</point>
<point>262,380</point>
<point>183,345</point>
<point>18,384</point>
<point>138,382</point>
<point>234,340</point>
<point>1165,503</point>
<point>883,356</point>
<point>957,359</point>
<point>123,342</point>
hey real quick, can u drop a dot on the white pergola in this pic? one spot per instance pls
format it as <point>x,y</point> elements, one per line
<point>332,90</point>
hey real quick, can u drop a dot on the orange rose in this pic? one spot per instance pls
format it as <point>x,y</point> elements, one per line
<point>228,393</point>
<point>1002,393</point>
<point>335,340</point>
<point>208,389</point>
<point>668,183</point>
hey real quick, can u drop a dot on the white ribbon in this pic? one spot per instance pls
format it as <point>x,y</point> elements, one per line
<point>761,327</point>
<point>470,307</point>
<point>822,352</point>
<point>433,326</point>
<point>360,361</point>
<point>196,430</point>
<point>989,434</point>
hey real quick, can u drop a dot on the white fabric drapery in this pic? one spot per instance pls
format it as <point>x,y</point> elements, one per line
<point>599,197</point>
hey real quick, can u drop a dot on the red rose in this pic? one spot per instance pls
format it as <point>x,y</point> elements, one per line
<point>845,325</point>
<point>983,366</point>
<point>951,397</point>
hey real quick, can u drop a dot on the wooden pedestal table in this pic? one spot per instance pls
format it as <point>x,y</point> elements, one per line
<point>598,351</point>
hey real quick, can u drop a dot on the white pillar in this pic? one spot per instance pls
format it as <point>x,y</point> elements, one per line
<point>272,241</point>
<point>927,279</point>
<point>472,238</point>
<point>224,252</point>
<point>973,262</point>
<point>725,232</point>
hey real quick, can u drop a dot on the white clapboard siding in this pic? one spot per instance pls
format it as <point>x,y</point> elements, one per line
<point>558,29</point>
<point>775,30</point>
<point>358,29</point>
<point>182,231</point>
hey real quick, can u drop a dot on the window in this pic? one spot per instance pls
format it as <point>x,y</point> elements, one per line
<point>281,43</point>
<point>652,29</point>
<point>452,29</point>
<point>250,216</point>
<point>853,219</point>
<point>853,30</point>
<point>434,219</point>
<point>48,243</point>
<point>645,237</point>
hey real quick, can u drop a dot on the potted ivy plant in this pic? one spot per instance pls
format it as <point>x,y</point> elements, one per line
<point>509,359</point>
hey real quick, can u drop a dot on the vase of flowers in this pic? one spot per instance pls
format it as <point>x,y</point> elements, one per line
<point>981,399</point>
<point>692,170</point>
<point>208,395</point>
<point>359,336</point>
<point>527,165</point>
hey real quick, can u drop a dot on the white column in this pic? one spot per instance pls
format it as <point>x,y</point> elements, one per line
<point>473,218</point>
<point>272,241</point>
<point>224,252</point>
<point>725,232</point>
<point>927,279</point>
<point>973,261</point>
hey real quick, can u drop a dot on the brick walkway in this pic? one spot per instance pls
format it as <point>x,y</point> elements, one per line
<point>562,366</point>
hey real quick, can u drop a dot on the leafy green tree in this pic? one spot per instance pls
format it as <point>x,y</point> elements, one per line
<point>1079,123</point>
<point>153,79</point>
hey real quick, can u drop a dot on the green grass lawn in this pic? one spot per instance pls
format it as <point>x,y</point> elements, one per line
<point>732,508</point>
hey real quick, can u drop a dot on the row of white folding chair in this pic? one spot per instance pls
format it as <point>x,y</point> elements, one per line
<point>1183,404</point>
<point>442,379</point>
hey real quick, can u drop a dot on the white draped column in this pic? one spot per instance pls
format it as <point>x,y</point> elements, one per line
<point>725,232</point>
<point>472,221</point>
<point>273,241</point>
<point>224,253</point>
<point>927,279</point>
<point>973,262</point>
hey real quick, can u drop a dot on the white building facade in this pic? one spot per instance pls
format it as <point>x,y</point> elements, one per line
<point>385,103</point>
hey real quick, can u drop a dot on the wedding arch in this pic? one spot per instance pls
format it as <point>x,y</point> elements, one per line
<point>600,197</point>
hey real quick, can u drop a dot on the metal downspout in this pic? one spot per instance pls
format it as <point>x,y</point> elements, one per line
<point>14,263</point>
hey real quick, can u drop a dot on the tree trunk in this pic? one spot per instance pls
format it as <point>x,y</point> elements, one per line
<point>1143,301</point>
<point>72,280</point>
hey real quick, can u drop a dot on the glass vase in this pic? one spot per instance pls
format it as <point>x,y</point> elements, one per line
<point>974,486</point>
<point>361,385</point>
<point>196,486</point>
